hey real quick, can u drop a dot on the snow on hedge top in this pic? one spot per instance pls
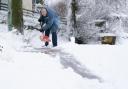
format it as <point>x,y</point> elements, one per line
<point>119,15</point>
<point>51,2</point>
<point>106,34</point>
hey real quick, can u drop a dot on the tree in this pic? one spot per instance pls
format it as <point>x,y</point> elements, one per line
<point>17,15</point>
<point>74,10</point>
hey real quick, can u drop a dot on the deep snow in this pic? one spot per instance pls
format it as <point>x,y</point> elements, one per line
<point>31,70</point>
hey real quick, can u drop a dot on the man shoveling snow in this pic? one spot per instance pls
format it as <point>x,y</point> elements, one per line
<point>49,23</point>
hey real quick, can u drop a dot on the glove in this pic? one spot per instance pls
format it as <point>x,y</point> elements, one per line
<point>41,30</point>
<point>39,20</point>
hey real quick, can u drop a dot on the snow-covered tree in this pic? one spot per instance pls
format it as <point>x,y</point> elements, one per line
<point>92,13</point>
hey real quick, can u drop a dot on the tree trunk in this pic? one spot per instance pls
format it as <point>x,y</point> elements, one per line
<point>17,15</point>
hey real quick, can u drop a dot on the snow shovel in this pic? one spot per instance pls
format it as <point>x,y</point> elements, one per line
<point>45,38</point>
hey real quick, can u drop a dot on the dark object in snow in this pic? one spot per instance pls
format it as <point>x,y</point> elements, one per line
<point>100,24</point>
<point>79,40</point>
<point>1,48</point>
<point>108,40</point>
<point>3,22</point>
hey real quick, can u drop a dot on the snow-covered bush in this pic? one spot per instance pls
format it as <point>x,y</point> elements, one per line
<point>89,11</point>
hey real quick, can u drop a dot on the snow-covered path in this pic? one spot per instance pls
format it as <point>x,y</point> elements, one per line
<point>39,70</point>
<point>36,70</point>
<point>68,61</point>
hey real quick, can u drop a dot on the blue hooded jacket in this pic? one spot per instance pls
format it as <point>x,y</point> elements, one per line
<point>51,20</point>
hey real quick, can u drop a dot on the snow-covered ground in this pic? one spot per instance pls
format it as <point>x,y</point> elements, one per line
<point>72,67</point>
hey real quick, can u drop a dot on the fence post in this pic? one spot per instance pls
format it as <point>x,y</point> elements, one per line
<point>0,4</point>
<point>9,15</point>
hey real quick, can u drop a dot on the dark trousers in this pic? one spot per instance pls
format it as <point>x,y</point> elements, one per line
<point>54,38</point>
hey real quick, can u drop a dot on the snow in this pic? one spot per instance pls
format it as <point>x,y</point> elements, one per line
<point>29,70</point>
<point>72,67</point>
<point>96,21</point>
<point>119,15</point>
<point>109,62</point>
<point>51,2</point>
<point>106,34</point>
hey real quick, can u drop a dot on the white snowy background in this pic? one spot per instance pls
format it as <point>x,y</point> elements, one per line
<point>35,70</point>
<point>69,66</point>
